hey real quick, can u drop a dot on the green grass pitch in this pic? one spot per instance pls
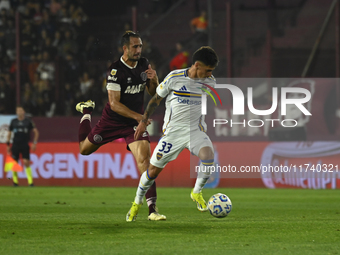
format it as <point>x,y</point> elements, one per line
<point>58,220</point>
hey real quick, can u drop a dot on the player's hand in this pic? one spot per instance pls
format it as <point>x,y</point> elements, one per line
<point>151,74</point>
<point>8,149</point>
<point>34,146</point>
<point>141,128</point>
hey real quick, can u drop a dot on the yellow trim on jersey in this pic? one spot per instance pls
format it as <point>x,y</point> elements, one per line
<point>186,94</point>
<point>173,75</point>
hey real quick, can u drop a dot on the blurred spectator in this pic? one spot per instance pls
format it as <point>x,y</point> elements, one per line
<point>152,53</point>
<point>10,40</point>
<point>32,66</point>
<point>6,97</point>
<point>38,16</point>
<point>181,59</point>
<point>5,4</point>
<point>47,24</point>
<point>68,45</point>
<point>28,41</point>
<point>55,6</point>
<point>72,69</point>
<point>199,27</point>
<point>86,84</point>
<point>46,68</point>
<point>90,50</point>
<point>69,99</point>
<point>57,39</point>
<point>21,7</point>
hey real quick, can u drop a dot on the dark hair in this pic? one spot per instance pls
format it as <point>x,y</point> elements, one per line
<point>126,38</point>
<point>206,55</point>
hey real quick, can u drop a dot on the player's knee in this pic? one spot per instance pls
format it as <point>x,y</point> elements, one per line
<point>206,154</point>
<point>84,151</point>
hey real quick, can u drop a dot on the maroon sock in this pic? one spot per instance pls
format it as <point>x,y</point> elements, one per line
<point>84,129</point>
<point>151,198</point>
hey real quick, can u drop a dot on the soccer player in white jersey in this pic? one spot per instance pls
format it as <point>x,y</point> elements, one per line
<point>183,127</point>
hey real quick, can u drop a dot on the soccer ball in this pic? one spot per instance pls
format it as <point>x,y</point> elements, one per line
<point>219,205</point>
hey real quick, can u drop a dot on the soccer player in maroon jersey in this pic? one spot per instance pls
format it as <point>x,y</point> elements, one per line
<point>128,78</point>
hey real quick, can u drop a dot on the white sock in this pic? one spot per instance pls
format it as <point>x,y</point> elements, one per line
<point>203,175</point>
<point>144,184</point>
<point>85,117</point>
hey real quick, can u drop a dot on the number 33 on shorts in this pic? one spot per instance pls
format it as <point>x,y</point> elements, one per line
<point>166,147</point>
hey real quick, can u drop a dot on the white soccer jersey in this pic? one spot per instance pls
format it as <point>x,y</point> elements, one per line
<point>183,102</point>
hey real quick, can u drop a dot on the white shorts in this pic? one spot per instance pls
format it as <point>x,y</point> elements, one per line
<point>172,144</point>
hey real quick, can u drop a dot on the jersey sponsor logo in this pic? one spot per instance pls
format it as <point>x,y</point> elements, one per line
<point>144,76</point>
<point>183,88</point>
<point>188,101</point>
<point>113,72</point>
<point>97,138</point>
<point>110,78</point>
<point>134,89</point>
<point>159,155</point>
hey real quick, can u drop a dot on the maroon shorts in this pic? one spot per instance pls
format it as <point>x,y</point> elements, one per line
<point>105,132</point>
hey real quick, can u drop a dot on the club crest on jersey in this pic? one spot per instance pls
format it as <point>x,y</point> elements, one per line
<point>144,76</point>
<point>159,155</point>
<point>97,138</point>
<point>113,72</point>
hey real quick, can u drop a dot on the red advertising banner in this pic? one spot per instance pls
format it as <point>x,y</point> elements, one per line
<point>60,164</point>
<point>312,165</point>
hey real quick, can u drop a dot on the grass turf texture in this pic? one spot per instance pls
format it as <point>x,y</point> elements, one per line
<point>46,220</point>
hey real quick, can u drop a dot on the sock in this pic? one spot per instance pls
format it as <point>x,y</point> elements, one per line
<point>145,183</point>
<point>151,198</point>
<point>15,177</point>
<point>203,176</point>
<point>84,127</point>
<point>29,175</point>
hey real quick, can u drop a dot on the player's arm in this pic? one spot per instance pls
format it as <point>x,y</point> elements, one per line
<point>8,141</point>
<point>152,82</point>
<point>121,109</point>
<point>150,109</point>
<point>35,138</point>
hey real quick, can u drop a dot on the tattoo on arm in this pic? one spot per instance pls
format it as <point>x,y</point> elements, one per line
<point>152,105</point>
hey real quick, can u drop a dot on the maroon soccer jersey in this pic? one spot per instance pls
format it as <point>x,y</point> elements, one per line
<point>132,82</point>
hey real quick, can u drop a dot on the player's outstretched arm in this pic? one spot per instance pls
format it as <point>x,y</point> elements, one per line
<point>152,82</point>
<point>152,105</point>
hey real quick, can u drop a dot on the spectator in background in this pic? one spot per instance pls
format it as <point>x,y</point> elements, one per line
<point>47,24</point>
<point>5,4</point>
<point>91,48</point>
<point>5,97</point>
<point>46,68</point>
<point>55,7</point>
<point>199,27</point>
<point>68,45</point>
<point>86,84</point>
<point>32,66</point>
<point>181,59</point>
<point>72,69</point>
<point>28,41</point>
<point>10,40</point>
<point>57,40</point>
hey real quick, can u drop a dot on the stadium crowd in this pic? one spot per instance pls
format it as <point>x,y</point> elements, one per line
<point>61,60</point>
